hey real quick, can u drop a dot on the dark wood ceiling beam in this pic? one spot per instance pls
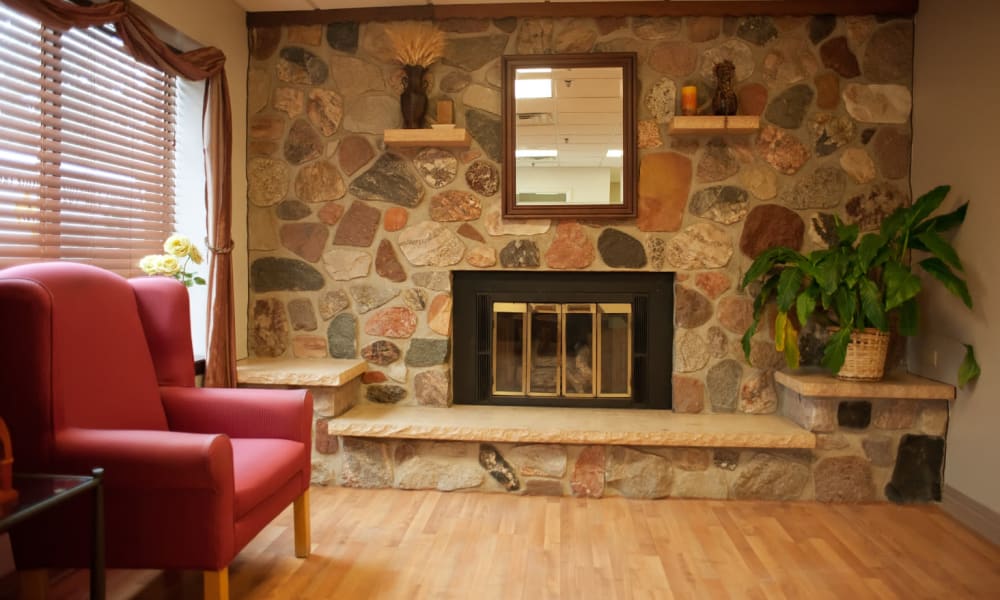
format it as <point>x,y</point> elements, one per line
<point>662,8</point>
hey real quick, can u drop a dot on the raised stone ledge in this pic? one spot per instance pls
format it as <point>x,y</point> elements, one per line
<point>901,386</point>
<point>304,372</point>
<point>571,426</point>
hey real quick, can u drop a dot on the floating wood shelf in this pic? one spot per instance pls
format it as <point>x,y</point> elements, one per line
<point>709,124</point>
<point>408,138</point>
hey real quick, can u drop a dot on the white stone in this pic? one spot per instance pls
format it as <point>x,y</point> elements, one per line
<point>690,352</point>
<point>431,244</point>
<point>878,103</point>
<point>858,164</point>
<point>419,473</point>
<point>397,372</point>
<point>700,246</point>
<point>343,264</point>
<point>496,225</point>
<point>482,97</point>
<point>661,101</point>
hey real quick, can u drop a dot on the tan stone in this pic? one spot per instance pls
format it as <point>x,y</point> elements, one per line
<point>291,101</point>
<point>327,372</point>
<point>325,110</point>
<point>692,459</point>
<point>309,346</point>
<point>827,90</point>
<point>571,248</point>
<point>311,35</point>
<point>844,479</point>
<point>319,182</point>
<point>481,256</point>
<point>267,181</point>
<point>588,473</point>
<point>688,394</point>
<point>664,185</point>
<point>538,460</point>
<point>934,418</point>
<point>894,414</point>
<point>258,89</point>
<point>431,244</point>
<point>760,181</point>
<point>878,103</point>
<point>814,414</point>
<point>858,164</point>
<point>700,246</point>
<point>343,264</point>
<point>439,314</point>
<point>262,228</point>
<point>637,474</point>
<point>709,484</point>
<point>421,473</point>
<point>497,226</point>
<point>894,385</point>
<point>770,477</point>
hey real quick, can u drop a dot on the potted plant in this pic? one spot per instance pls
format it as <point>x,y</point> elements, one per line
<point>858,287</point>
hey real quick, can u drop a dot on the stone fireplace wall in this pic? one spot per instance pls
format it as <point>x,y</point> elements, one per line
<point>351,244</point>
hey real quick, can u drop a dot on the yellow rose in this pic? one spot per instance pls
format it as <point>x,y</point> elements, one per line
<point>194,254</point>
<point>167,265</point>
<point>177,245</point>
<point>148,263</point>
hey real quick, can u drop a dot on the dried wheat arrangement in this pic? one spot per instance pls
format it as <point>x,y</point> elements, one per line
<point>415,43</point>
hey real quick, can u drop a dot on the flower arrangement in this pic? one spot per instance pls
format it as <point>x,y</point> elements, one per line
<point>177,248</point>
<point>417,44</point>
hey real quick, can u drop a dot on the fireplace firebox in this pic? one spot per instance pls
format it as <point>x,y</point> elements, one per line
<point>562,339</point>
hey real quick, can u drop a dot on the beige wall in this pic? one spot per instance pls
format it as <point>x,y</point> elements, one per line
<point>955,127</point>
<point>222,23</point>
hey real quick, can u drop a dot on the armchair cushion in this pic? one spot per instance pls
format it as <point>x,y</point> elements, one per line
<point>262,466</point>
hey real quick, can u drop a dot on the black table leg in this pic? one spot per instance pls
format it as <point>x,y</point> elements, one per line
<point>97,554</point>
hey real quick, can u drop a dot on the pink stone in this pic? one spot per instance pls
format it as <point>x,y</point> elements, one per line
<point>395,322</point>
<point>373,377</point>
<point>752,99</point>
<point>330,213</point>
<point>713,283</point>
<point>571,249</point>
<point>664,185</point>
<point>735,313</point>
<point>325,443</point>
<point>674,58</point>
<point>308,240</point>
<point>468,231</point>
<point>827,90</point>
<point>455,205</point>
<point>588,475</point>
<point>431,387</point>
<point>688,394</point>
<point>395,218</point>
<point>386,263</point>
<point>354,153</point>
<point>649,135</point>
<point>481,256</point>
<point>358,226</point>
<point>309,346</point>
<point>770,225</point>
<point>781,150</point>
<point>439,314</point>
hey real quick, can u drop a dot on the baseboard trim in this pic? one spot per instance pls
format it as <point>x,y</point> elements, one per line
<point>971,513</point>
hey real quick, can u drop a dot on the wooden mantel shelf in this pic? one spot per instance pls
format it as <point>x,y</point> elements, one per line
<point>452,137</point>
<point>901,386</point>
<point>710,124</point>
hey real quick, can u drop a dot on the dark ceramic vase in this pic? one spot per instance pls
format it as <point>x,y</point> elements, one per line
<point>413,100</point>
<point>724,102</point>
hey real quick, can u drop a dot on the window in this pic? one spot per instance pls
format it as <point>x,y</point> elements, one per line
<point>87,145</point>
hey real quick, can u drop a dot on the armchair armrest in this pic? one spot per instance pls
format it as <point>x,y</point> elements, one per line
<point>148,459</point>
<point>240,412</point>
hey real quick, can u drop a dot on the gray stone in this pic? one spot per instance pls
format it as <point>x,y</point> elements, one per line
<point>718,162</point>
<point>385,394</point>
<point>325,110</point>
<point>270,328</point>
<point>894,414</point>
<point>494,463</point>
<point>426,352</point>
<point>855,414</point>
<point>332,302</point>
<point>353,76</point>
<point>389,180</point>
<point>381,353</point>
<point>437,167</point>
<point>723,385</point>
<point>757,30</point>
<point>788,61</point>
<point>739,53</point>
<point>724,204</point>
<point>302,315</point>
<point>341,336</point>
<point>620,250</point>
<point>788,108</point>
<point>298,65</point>
<point>656,28</point>
<point>539,460</point>
<point>638,474</point>
<point>534,36</point>
<point>520,254</point>
<point>726,459</point>
<point>916,476</point>
<point>770,477</point>
<point>889,53</point>
<point>305,239</point>
<point>934,418</point>
<point>343,36</point>
<point>482,97</point>
<point>271,274</point>
<point>485,130</point>
<point>368,297</point>
<point>367,464</point>
<point>814,414</point>
<point>700,246</point>
<point>823,188</point>
<point>473,53</point>
<point>483,178</point>
<point>431,387</point>
<point>302,143</point>
<point>454,82</point>
<point>430,244</point>
<point>690,351</point>
<point>879,450</point>
<point>844,479</point>
<point>343,264</point>
<point>820,27</point>
<point>415,299</point>
<point>691,309</point>
<point>372,113</point>
<point>292,210</point>
<point>435,280</point>
<point>267,181</point>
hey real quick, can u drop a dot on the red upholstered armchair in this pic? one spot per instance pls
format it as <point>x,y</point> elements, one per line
<point>97,371</point>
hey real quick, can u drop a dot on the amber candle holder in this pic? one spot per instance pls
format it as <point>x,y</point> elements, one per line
<point>689,100</point>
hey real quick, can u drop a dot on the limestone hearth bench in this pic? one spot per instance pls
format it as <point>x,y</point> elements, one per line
<point>830,440</point>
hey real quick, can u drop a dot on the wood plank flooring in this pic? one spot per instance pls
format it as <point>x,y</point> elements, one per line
<point>415,545</point>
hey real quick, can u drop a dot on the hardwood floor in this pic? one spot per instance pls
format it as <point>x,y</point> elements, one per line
<point>395,544</point>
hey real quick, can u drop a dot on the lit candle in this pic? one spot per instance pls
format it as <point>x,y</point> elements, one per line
<point>689,100</point>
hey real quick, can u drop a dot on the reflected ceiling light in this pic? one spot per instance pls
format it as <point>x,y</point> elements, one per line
<point>615,153</point>
<point>533,88</point>
<point>538,153</point>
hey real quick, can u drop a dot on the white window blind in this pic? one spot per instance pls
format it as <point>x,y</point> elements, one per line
<point>87,141</point>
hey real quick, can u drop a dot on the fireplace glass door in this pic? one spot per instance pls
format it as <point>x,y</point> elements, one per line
<point>572,350</point>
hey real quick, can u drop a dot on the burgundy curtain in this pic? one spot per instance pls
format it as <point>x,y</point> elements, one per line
<point>202,64</point>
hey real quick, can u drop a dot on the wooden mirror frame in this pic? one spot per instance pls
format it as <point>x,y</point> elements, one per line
<point>627,62</point>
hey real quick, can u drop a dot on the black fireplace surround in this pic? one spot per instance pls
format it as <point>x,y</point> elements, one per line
<point>651,298</point>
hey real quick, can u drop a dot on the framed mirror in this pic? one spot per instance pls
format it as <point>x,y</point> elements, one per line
<point>569,135</point>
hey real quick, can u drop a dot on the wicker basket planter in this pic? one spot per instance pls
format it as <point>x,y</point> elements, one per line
<point>866,354</point>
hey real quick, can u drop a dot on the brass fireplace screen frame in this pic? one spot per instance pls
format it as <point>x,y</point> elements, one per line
<point>600,366</point>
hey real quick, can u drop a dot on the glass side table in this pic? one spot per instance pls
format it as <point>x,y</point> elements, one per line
<point>38,492</point>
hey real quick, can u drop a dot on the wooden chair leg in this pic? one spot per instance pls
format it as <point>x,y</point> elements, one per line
<point>216,584</point>
<point>33,584</point>
<point>300,510</point>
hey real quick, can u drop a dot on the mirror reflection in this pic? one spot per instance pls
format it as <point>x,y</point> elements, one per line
<point>569,136</point>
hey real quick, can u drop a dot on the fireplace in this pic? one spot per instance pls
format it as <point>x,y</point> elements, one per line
<point>562,339</point>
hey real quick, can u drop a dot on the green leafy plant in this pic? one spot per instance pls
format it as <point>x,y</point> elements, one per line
<point>858,283</point>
